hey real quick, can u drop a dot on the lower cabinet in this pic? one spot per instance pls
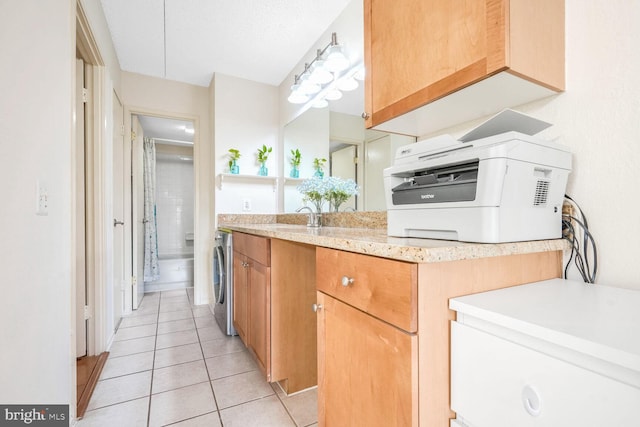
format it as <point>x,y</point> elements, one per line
<point>274,288</point>
<point>367,369</point>
<point>252,291</point>
<point>546,354</point>
<point>240,295</point>
<point>383,332</point>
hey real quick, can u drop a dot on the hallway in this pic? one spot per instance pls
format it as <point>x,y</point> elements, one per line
<point>171,365</point>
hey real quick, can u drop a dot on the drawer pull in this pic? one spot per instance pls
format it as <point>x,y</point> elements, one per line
<point>531,401</point>
<point>316,307</point>
<point>346,281</point>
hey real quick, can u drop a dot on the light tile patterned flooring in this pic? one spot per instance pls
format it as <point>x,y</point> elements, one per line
<point>171,365</point>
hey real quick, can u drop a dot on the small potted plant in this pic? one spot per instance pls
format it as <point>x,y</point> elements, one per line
<point>263,155</point>
<point>318,164</point>
<point>233,165</point>
<point>295,163</point>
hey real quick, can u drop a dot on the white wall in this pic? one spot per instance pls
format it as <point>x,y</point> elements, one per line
<point>168,98</point>
<point>37,47</point>
<point>174,199</point>
<point>245,118</point>
<point>598,117</point>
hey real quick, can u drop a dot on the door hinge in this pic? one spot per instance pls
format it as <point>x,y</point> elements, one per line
<point>133,135</point>
<point>122,130</point>
<point>85,95</point>
<point>355,160</point>
<point>134,281</point>
<point>87,312</point>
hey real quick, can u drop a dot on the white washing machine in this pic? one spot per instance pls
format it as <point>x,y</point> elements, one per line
<point>223,280</point>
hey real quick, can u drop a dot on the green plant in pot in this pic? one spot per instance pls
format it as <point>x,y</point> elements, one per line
<point>295,163</point>
<point>233,165</point>
<point>263,155</point>
<point>318,165</point>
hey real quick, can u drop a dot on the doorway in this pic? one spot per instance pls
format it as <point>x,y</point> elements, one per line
<point>163,221</point>
<point>344,164</point>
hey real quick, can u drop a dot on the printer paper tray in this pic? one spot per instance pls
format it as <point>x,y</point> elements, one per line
<point>459,192</point>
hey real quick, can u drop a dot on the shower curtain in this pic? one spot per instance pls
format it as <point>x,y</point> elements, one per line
<point>151,271</point>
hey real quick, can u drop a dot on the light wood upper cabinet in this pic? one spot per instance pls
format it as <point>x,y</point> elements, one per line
<point>420,51</point>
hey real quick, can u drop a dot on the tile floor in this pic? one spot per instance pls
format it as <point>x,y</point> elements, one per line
<point>171,365</point>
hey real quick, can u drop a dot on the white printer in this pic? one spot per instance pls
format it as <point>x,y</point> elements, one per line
<point>491,186</point>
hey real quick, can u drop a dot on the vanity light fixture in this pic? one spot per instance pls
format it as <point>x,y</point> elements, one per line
<point>324,77</point>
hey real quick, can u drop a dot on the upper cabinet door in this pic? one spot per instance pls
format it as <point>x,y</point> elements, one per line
<point>419,51</point>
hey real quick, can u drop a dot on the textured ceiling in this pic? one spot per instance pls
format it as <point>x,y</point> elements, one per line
<point>190,40</point>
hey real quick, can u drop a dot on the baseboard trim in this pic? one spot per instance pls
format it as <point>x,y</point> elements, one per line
<point>83,402</point>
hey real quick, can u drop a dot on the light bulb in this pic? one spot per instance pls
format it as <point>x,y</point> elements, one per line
<point>319,74</point>
<point>348,84</point>
<point>297,97</point>
<point>307,86</point>
<point>336,60</point>
<point>334,95</point>
<point>320,103</point>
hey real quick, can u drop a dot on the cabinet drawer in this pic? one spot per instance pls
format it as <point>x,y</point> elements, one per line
<point>495,382</point>
<point>384,288</point>
<point>255,247</point>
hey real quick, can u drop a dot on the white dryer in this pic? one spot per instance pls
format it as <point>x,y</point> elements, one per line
<point>223,280</point>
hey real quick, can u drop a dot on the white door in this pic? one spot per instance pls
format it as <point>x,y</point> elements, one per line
<point>343,165</point>
<point>118,211</point>
<point>79,191</point>
<point>137,206</point>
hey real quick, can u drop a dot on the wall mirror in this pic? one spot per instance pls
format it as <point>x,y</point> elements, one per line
<point>337,134</point>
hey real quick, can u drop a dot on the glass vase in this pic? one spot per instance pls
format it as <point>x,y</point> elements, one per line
<point>319,173</point>
<point>234,168</point>
<point>295,172</point>
<point>263,171</point>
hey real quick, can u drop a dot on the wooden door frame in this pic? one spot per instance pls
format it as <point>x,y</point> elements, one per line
<point>96,220</point>
<point>96,178</point>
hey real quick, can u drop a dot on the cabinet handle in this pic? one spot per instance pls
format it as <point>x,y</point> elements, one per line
<point>365,115</point>
<point>245,264</point>
<point>316,307</point>
<point>532,401</point>
<point>346,281</point>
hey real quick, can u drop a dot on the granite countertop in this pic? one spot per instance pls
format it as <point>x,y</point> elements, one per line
<point>374,241</point>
